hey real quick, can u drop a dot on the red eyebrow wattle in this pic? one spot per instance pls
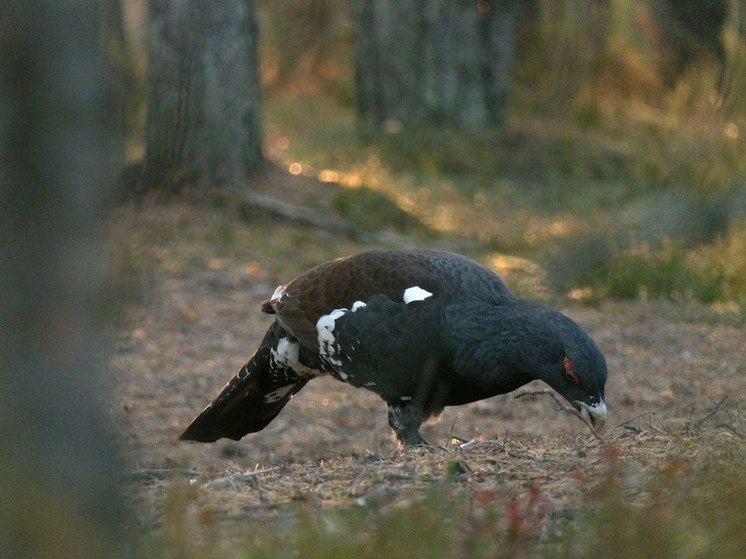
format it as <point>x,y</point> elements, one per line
<point>570,369</point>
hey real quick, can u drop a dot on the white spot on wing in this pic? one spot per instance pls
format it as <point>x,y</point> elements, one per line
<point>358,305</point>
<point>415,293</point>
<point>325,331</point>
<point>278,293</point>
<point>287,356</point>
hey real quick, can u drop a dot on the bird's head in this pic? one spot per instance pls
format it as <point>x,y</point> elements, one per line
<point>528,341</point>
<point>576,369</point>
<point>580,380</point>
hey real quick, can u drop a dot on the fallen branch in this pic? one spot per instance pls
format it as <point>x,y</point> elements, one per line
<point>247,201</point>
<point>562,406</point>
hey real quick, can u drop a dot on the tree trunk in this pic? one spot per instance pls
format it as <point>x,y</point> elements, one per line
<point>203,125</point>
<point>435,61</point>
<point>58,469</point>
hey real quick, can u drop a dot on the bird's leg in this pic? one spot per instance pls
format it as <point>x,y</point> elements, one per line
<point>405,419</point>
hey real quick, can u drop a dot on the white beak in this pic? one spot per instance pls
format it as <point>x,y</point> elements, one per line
<point>595,413</point>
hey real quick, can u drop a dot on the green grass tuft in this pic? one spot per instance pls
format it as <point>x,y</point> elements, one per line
<point>668,273</point>
<point>371,210</point>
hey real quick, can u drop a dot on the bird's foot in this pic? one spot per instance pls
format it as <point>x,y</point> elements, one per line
<point>405,421</point>
<point>411,438</point>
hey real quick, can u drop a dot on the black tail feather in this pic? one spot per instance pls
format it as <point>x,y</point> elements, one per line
<point>249,402</point>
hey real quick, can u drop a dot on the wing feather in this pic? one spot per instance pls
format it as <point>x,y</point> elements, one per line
<point>340,283</point>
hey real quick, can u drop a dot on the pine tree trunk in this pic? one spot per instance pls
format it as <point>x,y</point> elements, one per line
<point>435,61</point>
<point>203,125</point>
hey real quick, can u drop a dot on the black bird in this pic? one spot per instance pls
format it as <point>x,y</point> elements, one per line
<point>423,329</point>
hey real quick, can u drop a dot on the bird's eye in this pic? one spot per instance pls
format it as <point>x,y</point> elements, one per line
<point>570,373</point>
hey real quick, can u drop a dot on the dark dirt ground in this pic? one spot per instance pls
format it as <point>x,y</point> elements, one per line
<point>195,280</point>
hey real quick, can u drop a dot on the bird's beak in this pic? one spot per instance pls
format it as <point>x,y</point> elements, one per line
<point>595,413</point>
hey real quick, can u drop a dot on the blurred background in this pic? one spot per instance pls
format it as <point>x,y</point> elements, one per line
<point>603,139</point>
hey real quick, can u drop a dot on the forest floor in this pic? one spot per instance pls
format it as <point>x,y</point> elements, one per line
<point>195,277</point>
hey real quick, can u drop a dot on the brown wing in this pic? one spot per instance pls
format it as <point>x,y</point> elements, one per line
<point>340,283</point>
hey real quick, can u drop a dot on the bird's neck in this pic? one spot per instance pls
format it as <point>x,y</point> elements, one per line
<point>513,340</point>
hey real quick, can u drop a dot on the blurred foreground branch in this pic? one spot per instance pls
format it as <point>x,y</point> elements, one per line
<point>57,467</point>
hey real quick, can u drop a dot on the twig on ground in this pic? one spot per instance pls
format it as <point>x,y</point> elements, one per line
<point>712,412</point>
<point>159,474</point>
<point>627,422</point>
<point>237,479</point>
<point>731,429</point>
<point>562,406</point>
<point>660,430</point>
